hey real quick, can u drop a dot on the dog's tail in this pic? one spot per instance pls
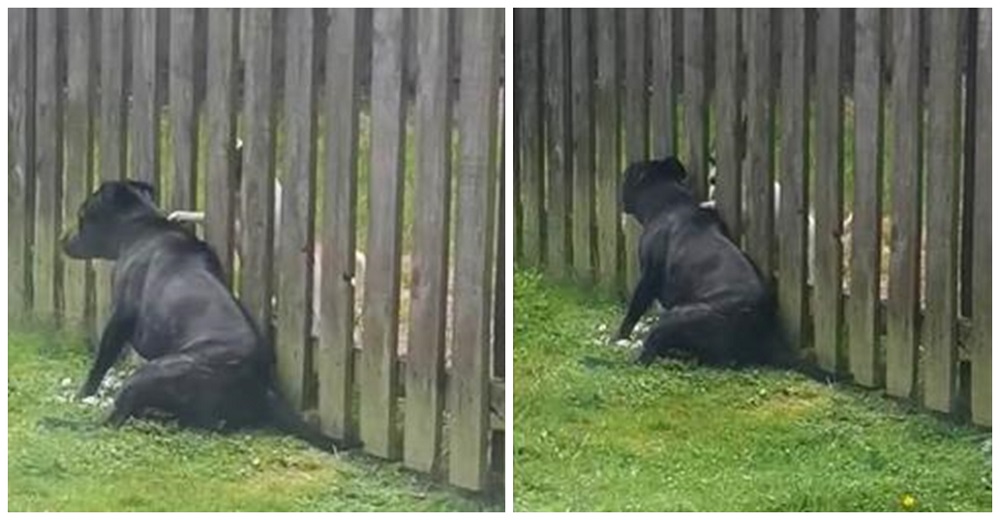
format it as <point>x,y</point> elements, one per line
<point>288,420</point>
<point>784,355</point>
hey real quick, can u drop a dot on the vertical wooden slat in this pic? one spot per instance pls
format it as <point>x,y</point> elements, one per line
<point>728,183</point>
<point>829,193</point>
<point>904,259</point>
<point>256,259</point>
<point>865,352</point>
<point>760,135</point>
<point>469,392</point>
<point>79,155</point>
<point>636,123</point>
<point>429,281</point>
<point>982,345</point>
<point>221,185</point>
<point>183,123</point>
<point>608,150</point>
<point>335,359</point>
<point>794,205</point>
<point>48,165</point>
<point>663,98</point>
<point>940,339</point>
<point>21,165</point>
<point>144,124</point>
<point>295,246</point>
<point>696,101</point>
<point>532,160</point>
<point>379,371</point>
<point>558,135</point>
<point>581,26</point>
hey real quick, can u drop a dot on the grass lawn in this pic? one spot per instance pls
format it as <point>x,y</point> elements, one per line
<point>594,432</point>
<point>155,467</point>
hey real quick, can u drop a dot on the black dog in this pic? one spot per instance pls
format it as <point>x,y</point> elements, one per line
<point>209,366</point>
<point>717,306</point>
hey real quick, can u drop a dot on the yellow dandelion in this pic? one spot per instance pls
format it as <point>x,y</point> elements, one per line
<point>908,501</point>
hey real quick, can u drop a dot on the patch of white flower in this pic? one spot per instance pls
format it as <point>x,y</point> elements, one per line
<point>634,342</point>
<point>105,395</point>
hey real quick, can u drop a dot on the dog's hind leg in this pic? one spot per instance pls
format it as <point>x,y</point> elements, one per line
<point>696,328</point>
<point>169,384</point>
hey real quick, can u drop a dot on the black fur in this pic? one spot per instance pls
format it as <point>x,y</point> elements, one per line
<point>718,307</point>
<point>209,366</point>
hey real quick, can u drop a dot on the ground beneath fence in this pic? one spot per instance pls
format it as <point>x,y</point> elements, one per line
<point>594,432</point>
<point>67,464</point>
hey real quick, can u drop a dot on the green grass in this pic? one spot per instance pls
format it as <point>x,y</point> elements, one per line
<point>594,432</point>
<point>158,467</point>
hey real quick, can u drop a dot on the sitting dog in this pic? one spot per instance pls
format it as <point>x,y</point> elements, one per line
<point>717,307</point>
<point>208,364</point>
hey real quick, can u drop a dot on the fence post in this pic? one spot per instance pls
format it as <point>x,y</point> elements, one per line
<point>940,340</point>
<point>866,362</point>
<point>380,377</point>
<point>829,191</point>
<point>904,261</point>
<point>429,290</point>
<point>982,345</point>
<point>469,399</point>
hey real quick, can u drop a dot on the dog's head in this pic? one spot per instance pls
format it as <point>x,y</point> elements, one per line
<point>648,186</point>
<point>102,218</point>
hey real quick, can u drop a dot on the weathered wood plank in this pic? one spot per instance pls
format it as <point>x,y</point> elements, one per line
<point>904,259</point>
<point>866,362</point>
<point>21,170</point>
<point>111,132</point>
<point>829,194</point>
<point>78,284</point>
<point>530,51</point>
<point>608,151</point>
<point>558,135</point>
<point>794,204</point>
<point>220,106</point>
<point>663,98</point>
<point>429,282</point>
<point>729,121</point>
<point>183,121</point>
<point>380,377</point>
<point>982,345</point>
<point>342,100</point>
<point>49,165</point>
<point>943,173</point>
<point>256,258</point>
<point>760,142</point>
<point>469,392</point>
<point>144,122</point>
<point>696,101</point>
<point>582,70</point>
<point>636,123</point>
<point>295,245</point>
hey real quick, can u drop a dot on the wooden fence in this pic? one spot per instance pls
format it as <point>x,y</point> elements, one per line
<point>88,103</point>
<point>862,134</point>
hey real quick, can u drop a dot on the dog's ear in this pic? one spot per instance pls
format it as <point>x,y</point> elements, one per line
<point>144,188</point>
<point>671,167</point>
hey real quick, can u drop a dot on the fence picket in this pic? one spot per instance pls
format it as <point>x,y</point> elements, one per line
<point>470,389</point>
<point>636,127</point>
<point>904,260</point>
<point>606,115</point>
<point>532,160</point>
<point>582,81</point>
<point>183,123</point>
<point>663,98</point>
<point>558,135</point>
<point>21,176</point>
<point>943,172</point>
<point>144,124</point>
<point>866,242</point>
<point>696,101</point>
<point>982,346</point>
<point>759,181</point>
